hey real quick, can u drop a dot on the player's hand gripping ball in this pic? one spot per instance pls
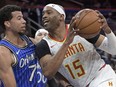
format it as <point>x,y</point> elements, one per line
<point>87,23</point>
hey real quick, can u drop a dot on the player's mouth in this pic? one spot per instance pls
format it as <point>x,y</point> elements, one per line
<point>45,22</point>
<point>23,27</point>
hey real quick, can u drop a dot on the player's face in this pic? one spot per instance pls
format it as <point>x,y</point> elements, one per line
<point>17,23</point>
<point>40,36</point>
<point>51,18</point>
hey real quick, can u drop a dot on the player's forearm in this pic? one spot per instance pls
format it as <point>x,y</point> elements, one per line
<point>8,80</point>
<point>54,64</point>
<point>109,43</point>
<point>107,29</point>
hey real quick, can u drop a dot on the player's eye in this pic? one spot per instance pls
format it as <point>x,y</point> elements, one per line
<point>40,34</point>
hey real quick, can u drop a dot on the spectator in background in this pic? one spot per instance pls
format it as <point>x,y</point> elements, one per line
<point>41,32</point>
<point>39,35</point>
<point>113,3</point>
<point>96,4</point>
<point>106,4</point>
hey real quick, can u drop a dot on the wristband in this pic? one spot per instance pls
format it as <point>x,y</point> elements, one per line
<point>94,39</point>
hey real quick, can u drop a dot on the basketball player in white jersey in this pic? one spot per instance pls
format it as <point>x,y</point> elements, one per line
<point>73,56</point>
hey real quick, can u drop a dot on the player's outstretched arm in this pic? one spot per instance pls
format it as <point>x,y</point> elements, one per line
<point>107,43</point>
<point>6,72</point>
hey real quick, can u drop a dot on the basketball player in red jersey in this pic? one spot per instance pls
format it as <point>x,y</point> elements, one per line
<point>75,57</point>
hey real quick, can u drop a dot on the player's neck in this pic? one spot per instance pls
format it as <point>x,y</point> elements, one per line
<point>59,34</point>
<point>16,40</point>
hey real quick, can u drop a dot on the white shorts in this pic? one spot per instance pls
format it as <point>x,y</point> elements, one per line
<point>106,78</point>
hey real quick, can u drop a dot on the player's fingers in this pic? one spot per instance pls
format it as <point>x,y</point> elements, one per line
<point>99,14</point>
<point>103,26</point>
<point>72,23</point>
<point>104,23</point>
<point>73,27</point>
<point>75,31</point>
<point>101,20</point>
<point>72,20</point>
<point>97,11</point>
<point>77,16</point>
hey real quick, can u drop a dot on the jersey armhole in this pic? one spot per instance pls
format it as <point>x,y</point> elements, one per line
<point>14,60</point>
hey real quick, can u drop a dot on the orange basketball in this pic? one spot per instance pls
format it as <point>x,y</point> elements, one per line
<point>88,23</point>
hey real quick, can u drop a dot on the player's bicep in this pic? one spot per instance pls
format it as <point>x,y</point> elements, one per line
<point>5,60</point>
<point>6,72</point>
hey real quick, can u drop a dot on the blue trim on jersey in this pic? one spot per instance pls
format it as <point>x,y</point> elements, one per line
<point>27,71</point>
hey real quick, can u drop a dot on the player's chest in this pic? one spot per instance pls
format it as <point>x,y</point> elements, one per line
<point>78,46</point>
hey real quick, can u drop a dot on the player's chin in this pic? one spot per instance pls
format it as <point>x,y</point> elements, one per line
<point>46,27</point>
<point>23,32</point>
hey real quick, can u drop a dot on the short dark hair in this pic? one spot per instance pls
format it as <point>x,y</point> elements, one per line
<point>6,13</point>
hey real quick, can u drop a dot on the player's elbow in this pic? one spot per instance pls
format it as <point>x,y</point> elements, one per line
<point>48,74</point>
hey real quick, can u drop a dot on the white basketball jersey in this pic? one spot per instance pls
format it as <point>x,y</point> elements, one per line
<point>81,63</point>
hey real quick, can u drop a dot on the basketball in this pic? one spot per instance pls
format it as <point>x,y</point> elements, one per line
<point>87,23</point>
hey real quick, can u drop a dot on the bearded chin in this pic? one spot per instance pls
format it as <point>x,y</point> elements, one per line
<point>21,33</point>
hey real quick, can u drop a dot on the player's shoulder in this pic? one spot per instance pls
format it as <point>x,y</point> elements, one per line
<point>4,50</point>
<point>5,55</point>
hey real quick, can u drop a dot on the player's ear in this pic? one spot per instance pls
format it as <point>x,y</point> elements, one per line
<point>62,17</point>
<point>7,23</point>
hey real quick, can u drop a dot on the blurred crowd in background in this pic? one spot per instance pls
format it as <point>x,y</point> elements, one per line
<point>32,10</point>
